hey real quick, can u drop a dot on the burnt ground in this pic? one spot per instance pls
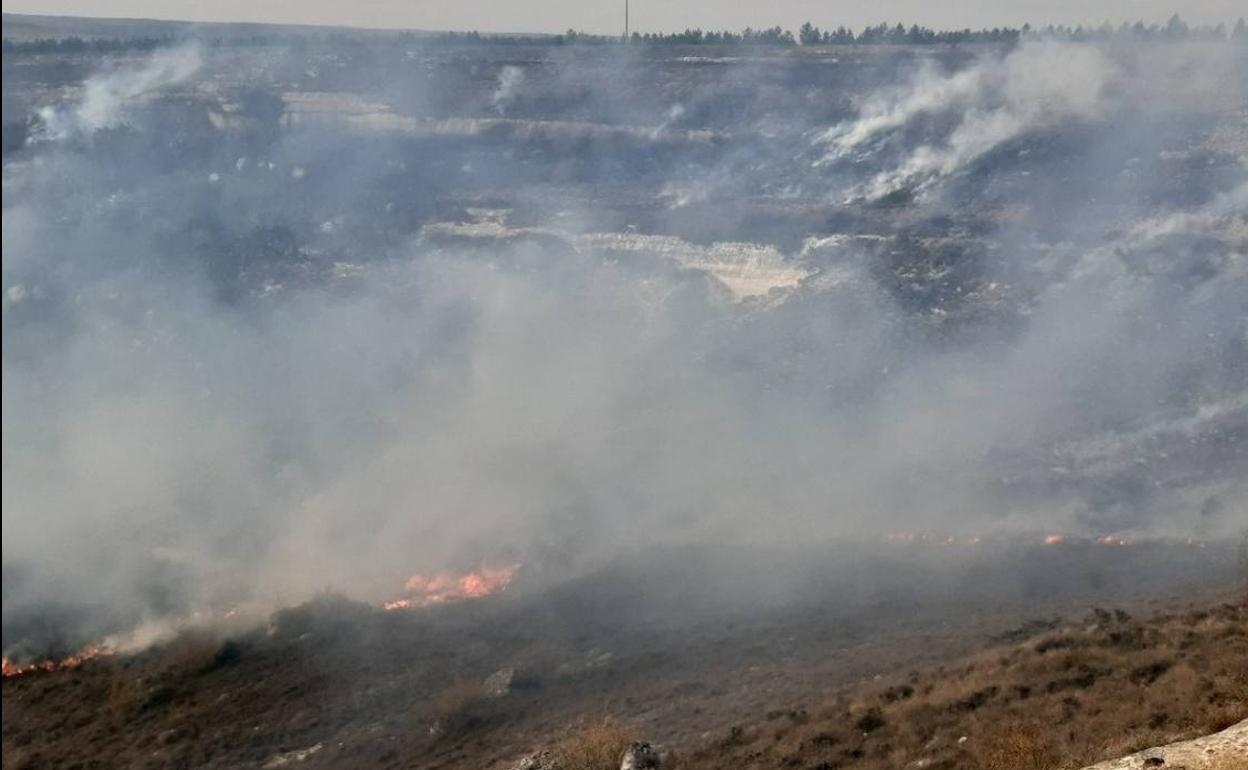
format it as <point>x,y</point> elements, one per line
<point>875,659</point>
<point>731,658</point>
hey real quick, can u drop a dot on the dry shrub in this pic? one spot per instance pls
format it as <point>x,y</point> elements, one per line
<point>191,654</point>
<point>458,705</point>
<point>1091,694</point>
<point>181,722</point>
<point>1131,741</point>
<point>1228,703</point>
<point>126,696</point>
<point>870,721</point>
<point>597,747</point>
<point>1017,747</point>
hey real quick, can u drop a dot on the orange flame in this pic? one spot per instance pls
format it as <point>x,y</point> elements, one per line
<point>73,661</point>
<point>447,587</point>
<point>1054,539</point>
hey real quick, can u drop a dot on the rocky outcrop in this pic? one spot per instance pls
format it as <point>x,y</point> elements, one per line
<point>540,760</point>
<point>1227,750</point>
<point>640,756</point>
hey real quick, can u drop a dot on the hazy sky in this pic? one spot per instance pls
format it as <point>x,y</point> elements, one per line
<point>648,15</point>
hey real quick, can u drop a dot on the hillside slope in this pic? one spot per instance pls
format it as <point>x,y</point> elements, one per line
<point>1221,751</point>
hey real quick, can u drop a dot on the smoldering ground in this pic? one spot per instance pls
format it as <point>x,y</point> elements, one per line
<point>259,338</point>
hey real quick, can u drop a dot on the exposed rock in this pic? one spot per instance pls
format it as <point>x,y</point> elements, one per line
<point>538,760</point>
<point>594,660</point>
<point>291,757</point>
<point>499,683</point>
<point>639,756</point>
<point>1208,752</point>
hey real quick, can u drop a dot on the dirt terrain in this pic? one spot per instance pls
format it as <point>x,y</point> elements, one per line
<point>1060,697</point>
<point>882,674</point>
<point>868,407</point>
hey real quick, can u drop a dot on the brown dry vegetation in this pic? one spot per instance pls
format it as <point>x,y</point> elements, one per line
<point>1063,698</point>
<point>194,653</point>
<point>1053,695</point>
<point>1020,746</point>
<point>126,696</point>
<point>596,747</point>
<point>457,707</point>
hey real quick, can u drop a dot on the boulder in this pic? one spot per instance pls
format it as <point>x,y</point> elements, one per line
<point>640,756</point>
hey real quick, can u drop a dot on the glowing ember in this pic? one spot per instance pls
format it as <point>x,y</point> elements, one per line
<point>1054,539</point>
<point>446,587</point>
<point>73,661</point>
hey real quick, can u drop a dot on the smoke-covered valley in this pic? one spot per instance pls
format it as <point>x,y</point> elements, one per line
<point>288,317</point>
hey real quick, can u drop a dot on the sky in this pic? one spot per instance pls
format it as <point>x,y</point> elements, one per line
<point>606,16</point>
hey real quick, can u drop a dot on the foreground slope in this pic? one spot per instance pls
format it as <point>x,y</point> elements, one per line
<point>1226,749</point>
<point>1045,684</point>
<point>1055,697</point>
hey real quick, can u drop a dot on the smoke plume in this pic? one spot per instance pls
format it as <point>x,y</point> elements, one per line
<point>256,343</point>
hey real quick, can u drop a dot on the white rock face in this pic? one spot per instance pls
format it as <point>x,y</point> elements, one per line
<point>1210,751</point>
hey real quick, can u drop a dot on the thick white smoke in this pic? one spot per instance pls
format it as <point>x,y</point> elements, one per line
<point>1040,84</point>
<point>105,96</point>
<point>510,79</point>
<point>209,397</point>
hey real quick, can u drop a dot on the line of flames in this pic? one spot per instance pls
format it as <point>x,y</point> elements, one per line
<point>89,652</point>
<point>422,591</point>
<point>445,587</point>
<point>448,587</point>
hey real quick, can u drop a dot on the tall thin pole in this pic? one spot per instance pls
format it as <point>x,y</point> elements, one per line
<point>626,21</point>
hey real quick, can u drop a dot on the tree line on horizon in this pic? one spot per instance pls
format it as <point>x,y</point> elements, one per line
<point>899,34</point>
<point>74,44</point>
<point>808,35</point>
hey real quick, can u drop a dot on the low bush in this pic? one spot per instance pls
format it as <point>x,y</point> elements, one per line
<point>597,747</point>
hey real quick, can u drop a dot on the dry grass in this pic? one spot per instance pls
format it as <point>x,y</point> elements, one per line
<point>597,747</point>
<point>1067,697</point>
<point>191,654</point>
<point>126,696</point>
<point>1017,747</point>
<point>458,706</point>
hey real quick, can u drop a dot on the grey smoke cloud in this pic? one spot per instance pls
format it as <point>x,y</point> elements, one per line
<point>1039,84</point>
<point>510,79</point>
<point>105,95</point>
<point>178,436</point>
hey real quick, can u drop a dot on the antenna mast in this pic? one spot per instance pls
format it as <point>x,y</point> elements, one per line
<point>626,21</point>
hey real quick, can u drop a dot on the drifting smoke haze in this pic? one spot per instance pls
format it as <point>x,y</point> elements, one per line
<point>1039,85</point>
<point>509,81</point>
<point>228,377</point>
<point>104,96</point>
